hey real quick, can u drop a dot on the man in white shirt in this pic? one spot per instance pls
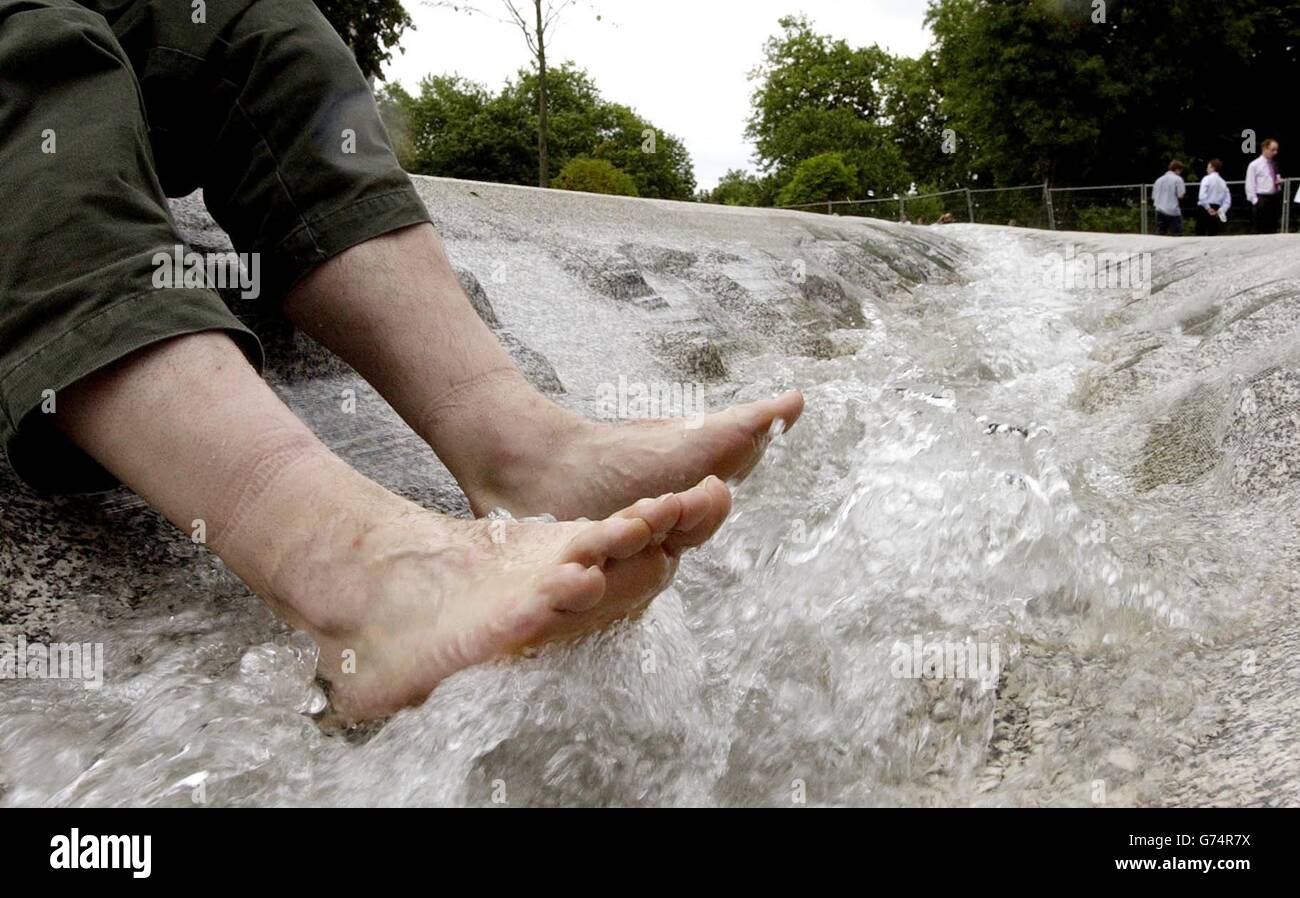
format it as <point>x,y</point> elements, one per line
<point>1264,189</point>
<point>1165,194</point>
<point>1213,200</point>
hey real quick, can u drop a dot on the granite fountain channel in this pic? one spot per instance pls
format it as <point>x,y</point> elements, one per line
<point>1095,487</point>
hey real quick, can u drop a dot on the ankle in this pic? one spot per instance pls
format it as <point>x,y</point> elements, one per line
<point>527,459</point>
<point>499,431</point>
<point>472,398</point>
<point>293,512</point>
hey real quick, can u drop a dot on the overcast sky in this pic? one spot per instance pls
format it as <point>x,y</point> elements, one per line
<point>679,63</point>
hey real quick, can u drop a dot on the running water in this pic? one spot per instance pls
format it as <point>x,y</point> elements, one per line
<point>951,495</point>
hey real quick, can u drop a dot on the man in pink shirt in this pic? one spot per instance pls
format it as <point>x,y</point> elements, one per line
<point>1264,189</point>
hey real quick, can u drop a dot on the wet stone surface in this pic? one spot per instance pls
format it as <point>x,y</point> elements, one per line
<point>1104,486</point>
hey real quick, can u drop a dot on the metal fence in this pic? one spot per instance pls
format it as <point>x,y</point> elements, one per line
<point>1114,208</point>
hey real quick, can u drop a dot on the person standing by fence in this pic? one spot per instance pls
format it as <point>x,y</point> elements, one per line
<point>1165,194</point>
<point>1264,189</point>
<point>1213,200</point>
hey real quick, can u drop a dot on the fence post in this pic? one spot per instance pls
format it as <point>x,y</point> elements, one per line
<point>1286,206</point>
<point>830,209</point>
<point>902,208</point>
<point>1143,203</point>
<point>1047,201</point>
<point>970,206</point>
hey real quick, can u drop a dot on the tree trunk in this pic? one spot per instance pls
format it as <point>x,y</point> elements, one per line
<point>543,106</point>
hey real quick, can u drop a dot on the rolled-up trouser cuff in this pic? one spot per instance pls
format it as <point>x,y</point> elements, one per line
<point>322,237</point>
<point>39,453</point>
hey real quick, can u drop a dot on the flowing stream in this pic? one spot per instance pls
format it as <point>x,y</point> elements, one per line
<point>950,496</point>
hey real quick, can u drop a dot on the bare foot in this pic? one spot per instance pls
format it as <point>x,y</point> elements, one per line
<point>590,469</point>
<point>393,308</point>
<point>400,598</point>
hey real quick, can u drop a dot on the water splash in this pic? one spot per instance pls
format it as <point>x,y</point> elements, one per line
<point>943,486</point>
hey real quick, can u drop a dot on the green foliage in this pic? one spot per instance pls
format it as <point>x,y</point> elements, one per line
<point>1121,219</point>
<point>1020,91</point>
<point>368,27</point>
<point>740,188</point>
<point>395,110</point>
<point>916,124</point>
<point>457,129</point>
<point>1043,89</point>
<point>658,163</point>
<point>818,179</point>
<point>1012,92</point>
<point>932,208</point>
<point>816,95</point>
<point>594,176</point>
<point>578,119</point>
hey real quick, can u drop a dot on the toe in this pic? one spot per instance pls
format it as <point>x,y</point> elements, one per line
<point>704,509</point>
<point>753,425</point>
<point>696,503</point>
<point>660,515</point>
<point>789,406</point>
<point>616,537</point>
<point>759,416</point>
<point>632,582</point>
<point>573,588</point>
<point>565,590</point>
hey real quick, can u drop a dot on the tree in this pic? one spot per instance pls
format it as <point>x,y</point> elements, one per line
<point>817,95</point>
<point>1082,92</point>
<point>818,179</point>
<point>369,28</point>
<point>931,151</point>
<point>577,116</point>
<point>395,110</point>
<point>456,128</point>
<point>535,19</point>
<point>595,176</point>
<point>658,162</point>
<point>740,188</point>
<point>1044,84</point>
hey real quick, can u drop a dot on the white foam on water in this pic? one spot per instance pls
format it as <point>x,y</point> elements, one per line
<point>942,486</point>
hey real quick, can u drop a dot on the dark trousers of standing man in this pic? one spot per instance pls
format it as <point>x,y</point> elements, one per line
<point>1208,223</point>
<point>1268,213</point>
<point>1169,225</point>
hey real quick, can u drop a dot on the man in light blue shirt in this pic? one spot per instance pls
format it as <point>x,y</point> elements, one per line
<point>1165,193</point>
<point>1213,200</point>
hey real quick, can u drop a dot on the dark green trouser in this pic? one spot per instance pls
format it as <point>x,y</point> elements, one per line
<point>106,108</point>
